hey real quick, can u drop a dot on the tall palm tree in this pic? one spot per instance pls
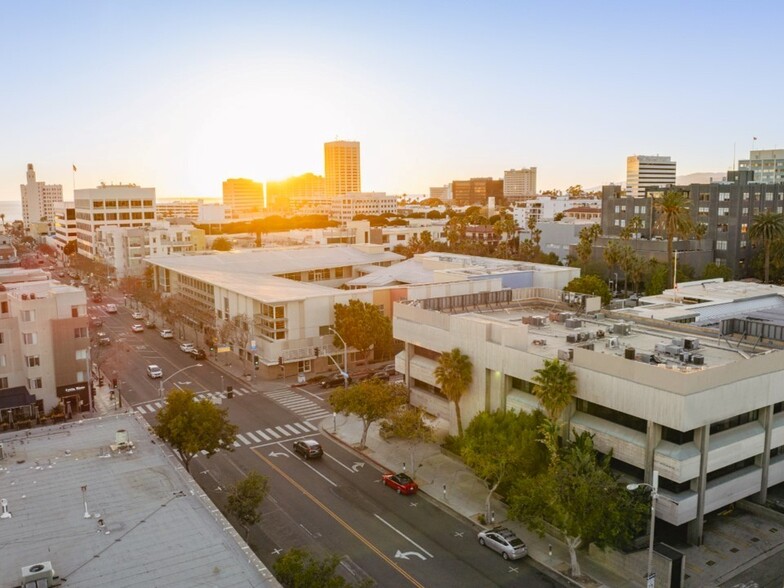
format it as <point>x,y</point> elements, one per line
<point>554,386</point>
<point>454,375</point>
<point>674,219</point>
<point>765,228</point>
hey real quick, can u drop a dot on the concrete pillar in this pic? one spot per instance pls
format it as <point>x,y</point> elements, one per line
<point>653,436</point>
<point>409,348</point>
<point>766,420</point>
<point>699,484</point>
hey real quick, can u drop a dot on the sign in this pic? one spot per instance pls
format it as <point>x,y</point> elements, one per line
<point>253,344</point>
<point>79,388</point>
<point>301,379</point>
<point>224,349</point>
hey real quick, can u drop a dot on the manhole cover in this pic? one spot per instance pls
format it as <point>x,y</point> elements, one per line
<point>710,562</point>
<point>734,550</point>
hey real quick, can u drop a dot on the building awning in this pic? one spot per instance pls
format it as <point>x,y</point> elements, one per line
<point>16,397</point>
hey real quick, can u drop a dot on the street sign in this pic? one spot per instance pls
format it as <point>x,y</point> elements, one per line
<point>224,349</point>
<point>253,344</point>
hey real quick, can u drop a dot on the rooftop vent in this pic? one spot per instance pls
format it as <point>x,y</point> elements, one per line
<point>566,354</point>
<point>622,328</point>
<point>33,574</point>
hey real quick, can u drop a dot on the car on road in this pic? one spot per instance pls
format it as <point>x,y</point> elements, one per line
<point>149,323</point>
<point>401,483</point>
<point>334,380</point>
<point>137,316</point>
<point>137,328</point>
<point>97,297</point>
<point>186,347</point>
<point>154,371</point>
<point>95,321</point>
<point>503,541</point>
<point>111,308</point>
<point>103,338</point>
<point>308,448</point>
<point>167,334</point>
<point>198,354</point>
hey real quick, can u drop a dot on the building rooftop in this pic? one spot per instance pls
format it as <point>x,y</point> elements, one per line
<point>140,521</point>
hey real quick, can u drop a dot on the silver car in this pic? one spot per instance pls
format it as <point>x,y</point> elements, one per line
<point>503,541</point>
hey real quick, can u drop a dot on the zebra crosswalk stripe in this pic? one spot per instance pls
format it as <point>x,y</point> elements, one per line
<point>315,428</point>
<point>263,435</point>
<point>150,407</point>
<point>252,437</point>
<point>290,428</point>
<point>273,433</point>
<point>303,427</point>
<point>243,439</point>
<point>236,444</point>
<point>282,430</point>
<point>141,410</point>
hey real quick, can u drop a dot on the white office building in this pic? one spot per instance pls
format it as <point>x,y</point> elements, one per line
<point>520,183</point>
<point>648,171</point>
<point>345,208</point>
<point>38,199</point>
<point>544,208</point>
<point>767,165</point>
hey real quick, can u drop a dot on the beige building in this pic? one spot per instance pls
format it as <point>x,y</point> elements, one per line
<point>342,168</point>
<point>64,225</point>
<point>38,199</point>
<point>519,183</point>
<point>287,194</point>
<point>243,198</point>
<point>344,208</point>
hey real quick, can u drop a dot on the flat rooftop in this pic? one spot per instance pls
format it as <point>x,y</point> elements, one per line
<point>149,523</point>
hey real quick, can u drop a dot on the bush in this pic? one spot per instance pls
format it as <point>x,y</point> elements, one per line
<point>453,444</point>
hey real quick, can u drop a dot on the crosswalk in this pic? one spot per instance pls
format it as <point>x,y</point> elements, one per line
<point>298,404</point>
<point>273,434</point>
<point>154,406</point>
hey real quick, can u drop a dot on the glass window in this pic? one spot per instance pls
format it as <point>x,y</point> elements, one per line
<point>33,360</point>
<point>80,333</point>
<point>28,315</point>
<point>30,338</point>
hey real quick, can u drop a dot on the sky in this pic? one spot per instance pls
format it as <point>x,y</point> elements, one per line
<point>182,95</point>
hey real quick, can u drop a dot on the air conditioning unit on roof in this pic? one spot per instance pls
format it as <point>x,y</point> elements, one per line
<point>32,574</point>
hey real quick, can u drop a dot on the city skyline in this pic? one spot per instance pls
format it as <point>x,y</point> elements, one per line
<point>181,99</point>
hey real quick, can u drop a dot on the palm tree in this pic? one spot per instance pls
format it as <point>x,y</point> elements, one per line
<point>554,386</point>
<point>673,218</point>
<point>765,228</point>
<point>454,375</point>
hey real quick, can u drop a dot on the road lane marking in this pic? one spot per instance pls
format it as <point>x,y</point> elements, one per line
<point>141,410</point>
<point>302,427</point>
<point>261,433</point>
<point>292,429</point>
<point>305,461</point>
<point>313,427</point>
<point>243,439</point>
<point>253,437</point>
<point>339,462</point>
<point>282,430</point>
<point>273,433</point>
<point>406,537</point>
<point>341,522</point>
<point>150,407</point>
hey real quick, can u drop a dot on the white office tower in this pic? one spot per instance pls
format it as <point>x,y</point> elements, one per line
<point>38,199</point>
<point>645,171</point>
<point>520,183</point>
<point>767,165</point>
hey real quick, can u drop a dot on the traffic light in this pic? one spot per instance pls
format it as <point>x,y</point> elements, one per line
<point>256,361</point>
<point>280,360</point>
<point>114,382</point>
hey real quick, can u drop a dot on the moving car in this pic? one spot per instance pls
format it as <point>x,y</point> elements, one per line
<point>186,347</point>
<point>95,321</point>
<point>103,338</point>
<point>137,315</point>
<point>503,541</point>
<point>198,354</point>
<point>154,371</point>
<point>97,297</point>
<point>167,334</point>
<point>137,328</point>
<point>111,308</point>
<point>334,380</point>
<point>149,323</point>
<point>401,483</point>
<point>308,448</point>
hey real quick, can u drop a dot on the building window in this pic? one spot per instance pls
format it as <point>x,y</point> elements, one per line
<point>74,311</point>
<point>80,333</point>
<point>34,383</point>
<point>4,307</point>
<point>304,366</point>
<point>81,354</point>
<point>721,245</point>
<point>33,360</point>
<point>724,196</point>
<point>2,360</point>
<point>3,383</point>
<point>28,315</point>
<point>29,338</point>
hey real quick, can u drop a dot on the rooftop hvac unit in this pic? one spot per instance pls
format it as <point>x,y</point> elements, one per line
<point>622,329</point>
<point>672,350</point>
<point>573,323</point>
<point>684,356</point>
<point>698,359</point>
<point>571,338</point>
<point>566,354</point>
<point>121,437</point>
<point>527,320</point>
<point>645,357</point>
<point>600,334</point>
<point>612,343</point>
<point>677,341</point>
<point>40,571</point>
<point>538,321</point>
<point>629,353</point>
<point>691,343</point>
<point>588,346</point>
<point>2,452</point>
<point>554,316</point>
<point>660,348</point>
<point>32,295</point>
<point>582,336</point>
<point>564,316</point>
<point>24,296</point>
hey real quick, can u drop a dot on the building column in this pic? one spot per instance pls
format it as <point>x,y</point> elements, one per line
<point>409,348</point>
<point>766,420</point>
<point>653,436</point>
<point>699,484</point>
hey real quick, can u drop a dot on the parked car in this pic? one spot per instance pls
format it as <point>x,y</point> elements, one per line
<point>97,297</point>
<point>334,380</point>
<point>503,541</point>
<point>401,483</point>
<point>149,323</point>
<point>167,334</point>
<point>308,448</point>
<point>186,347</point>
<point>95,321</point>
<point>154,371</point>
<point>198,354</point>
<point>103,338</point>
<point>111,308</point>
<point>136,315</point>
<point>137,328</point>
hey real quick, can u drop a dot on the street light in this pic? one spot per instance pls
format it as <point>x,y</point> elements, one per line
<point>345,357</point>
<point>654,486</point>
<point>162,381</point>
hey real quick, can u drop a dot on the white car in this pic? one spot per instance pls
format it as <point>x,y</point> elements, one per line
<point>503,541</point>
<point>111,308</point>
<point>186,347</point>
<point>154,371</point>
<point>137,328</point>
<point>167,334</point>
<point>137,316</point>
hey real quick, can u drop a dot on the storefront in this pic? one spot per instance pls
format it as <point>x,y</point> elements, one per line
<point>74,398</point>
<point>18,408</point>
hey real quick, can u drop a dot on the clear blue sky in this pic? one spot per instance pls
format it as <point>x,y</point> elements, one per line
<point>181,95</point>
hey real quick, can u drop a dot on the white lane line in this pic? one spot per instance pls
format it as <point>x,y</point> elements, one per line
<point>159,404</point>
<point>243,439</point>
<point>314,427</point>
<point>302,427</point>
<point>262,434</point>
<point>252,436</point>
<point>273,433</point>
<point>318,417</point>
<point>304,461</point>
<point>284,431</point>
<point>414,543</point>
<point>236,444</point>
<point>292,429</point>
<point>336,460</point>
<point>150,407</point>
<point>141,410</point>
<point>314,410</point>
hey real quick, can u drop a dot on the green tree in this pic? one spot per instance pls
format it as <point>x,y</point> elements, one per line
<point>713,270</point>
<point>245,498</point>
<point>672,210</point>
<point>501,444</point>
<point>222,244</point>
<point>454,374</point>
<point>363,326</point>
<point>575,191</point>
<point>70,248</point>
<point>554,386</point>
<point>370,400</point>
<point>766,228</point>
<point>587,238</point>
<point>408,423</point>
<point>191,426</point>
<point>613,254</point>
<point>655,278</point>
<point>299,569</point>
<point>590,284</point>
<point>582,498</point>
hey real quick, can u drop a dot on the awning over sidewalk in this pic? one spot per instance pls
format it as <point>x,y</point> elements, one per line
<point>16,397</point>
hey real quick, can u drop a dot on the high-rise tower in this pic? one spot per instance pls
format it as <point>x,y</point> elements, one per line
<point>643,171</point>
<point>341,168</point>
<point>38,199</point>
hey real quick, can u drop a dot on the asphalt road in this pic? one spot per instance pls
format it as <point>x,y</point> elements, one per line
<point>335,504</point>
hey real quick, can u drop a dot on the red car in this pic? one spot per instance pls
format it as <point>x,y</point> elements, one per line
<point>401,482</point>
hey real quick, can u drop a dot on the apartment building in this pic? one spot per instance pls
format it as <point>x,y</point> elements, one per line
<point>476,191</point>
<point>519,183</point>
<point>648,171</point>
<point>342,169</point>
<point>767,165</point>
<point>64,225</point>
<point>38,200</point>
<point>243,198</point>
<point>188,208</point>
<point>706,414</point>
<point>344,208</point>
<point>443,193</point>
<point>543,208</point>
<point>285,194</point>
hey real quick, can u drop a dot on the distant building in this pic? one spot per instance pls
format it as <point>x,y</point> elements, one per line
<point>592,213</point>
<point>181,208</point>
<point>767,165</point>
<point>346,207</point>
<point>8,255</point>
<point>243,198</point>
<point>38,199</point>
<point>546,207</point>
<point>118,205</point>
<point>648,171</point>
<point>64,225</point>
<point>281,195</point>
<point>342,168</point>
<point>519,183</point>
<point>443,193</point>
<point>560,236</point>
<point>476,190</point>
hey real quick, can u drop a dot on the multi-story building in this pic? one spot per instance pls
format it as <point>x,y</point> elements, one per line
<point>284,194</point>
<point>64,225</point>
<point>443,193</point>
<point>44,346</point>
<point>648,171</point>
<point>767,165</point>
<point>699,404</point>
<point>342,168</point>
<point>113,205</point>
<point>519,183</point>
<point>560,236</point>
<point>38,199</point>
<point>544,208</point>
<point>243,198</point>
<point>345,208</point>
<point>185,208</point>
<point>476,191</point>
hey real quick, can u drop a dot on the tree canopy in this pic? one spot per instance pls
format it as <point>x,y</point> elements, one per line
<point>673,218</point>
<point>222,244</point>
<point>454,375</point>
<point>590,284</point>
<point>363,326</point>
<point>245,498</point>
<point>766,228</point>
<point>299,569</point>
<point>191,426</point>
<point>371,400</point>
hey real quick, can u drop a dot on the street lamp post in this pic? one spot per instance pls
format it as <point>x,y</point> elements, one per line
<point>345,357</point>
<point>162,381</point>
<point>654,486</point>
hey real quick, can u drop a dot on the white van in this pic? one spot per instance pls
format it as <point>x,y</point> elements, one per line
<point>111,308</point>
<point>167,334</point>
